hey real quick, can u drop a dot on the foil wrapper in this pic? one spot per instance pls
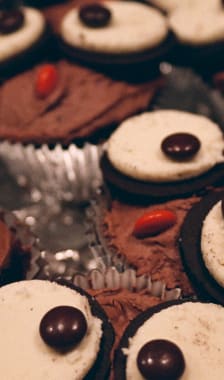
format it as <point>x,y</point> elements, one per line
<point>64,174</point>
<point>111,278</point>
<point>49,190</point>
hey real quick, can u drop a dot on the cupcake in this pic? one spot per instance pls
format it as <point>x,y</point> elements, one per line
<point>57,103</point>
<point>200,243</point>
<point>144,237</point>
<point>125,295</point>
<point>66,331</point>
<point>187,334</point>
<point>163,154</point>
<point>112,34</point>
<point>23,33</point>
<point>17,252</point>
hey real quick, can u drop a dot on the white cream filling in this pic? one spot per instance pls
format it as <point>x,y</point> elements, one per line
<point>212,242</point>
<point>198,331</point>
<point>170,5</point>
<point>197,26</point>
<point>20,40</point>
<point>135,147</point>
<point>24,355</point>
<point>134,27</point>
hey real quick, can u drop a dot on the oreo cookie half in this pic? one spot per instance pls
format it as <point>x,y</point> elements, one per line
<point>101,368</point>
<point>28,57</point>
<point>190,247</point>
<point>109,59</point>
<point>128,187</point>
<point>120,358</point>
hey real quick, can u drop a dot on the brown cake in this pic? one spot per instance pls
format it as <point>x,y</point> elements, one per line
<point>156,255</point>
<point>71,110</point>
<point>123,305</point>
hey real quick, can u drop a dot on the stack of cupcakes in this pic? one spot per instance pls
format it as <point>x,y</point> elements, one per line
<point>154,236</point>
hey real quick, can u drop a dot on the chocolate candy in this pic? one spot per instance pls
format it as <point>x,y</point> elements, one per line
<point>153,222</point>
<point>63,327</point>
<point>94,15</point>
<point>161,360</point>
<point>180,146</point>
<point>11,20</point>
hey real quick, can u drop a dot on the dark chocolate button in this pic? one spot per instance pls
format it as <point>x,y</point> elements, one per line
<point>180,146</point>
<point>95,15</point>
<point>161,360</point>
<point>63,326</point>
<point>11,20</point>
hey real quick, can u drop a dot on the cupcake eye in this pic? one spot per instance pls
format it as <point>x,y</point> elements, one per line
<point>161,360</point>
<point>63,327</point>
<point>94,15</point>
<point>10,20</point>
<point>180,146</point>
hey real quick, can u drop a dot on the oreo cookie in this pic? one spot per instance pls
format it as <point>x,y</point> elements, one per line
<point>120,358</point>
<point>27,58</point>
<point>101,368</point>
<point>190,247</point>
<point>117,61</point>
<point>129,188</point>
<point>114,52</point>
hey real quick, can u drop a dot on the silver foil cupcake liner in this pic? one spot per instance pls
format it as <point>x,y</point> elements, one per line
<point>28,241</point>
<point>59,267</point>
<point>49,190</point>
<point>64,174</point>
<point>110,278</point>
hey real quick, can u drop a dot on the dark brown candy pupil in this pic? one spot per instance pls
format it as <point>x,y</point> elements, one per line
<point>10,20</point>
<point>63,327</point>
<point>94,15</point>
<point>180,146</point>
<point>161,360</point>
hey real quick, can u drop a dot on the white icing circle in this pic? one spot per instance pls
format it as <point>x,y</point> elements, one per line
<point>197,26</point>
<point>23,38</point>
<point>212,242</point>
<point>24,355</point>
<point>196,328</point>
<point>135,147</point>
<point>170,5</point>
<point>133,27</point>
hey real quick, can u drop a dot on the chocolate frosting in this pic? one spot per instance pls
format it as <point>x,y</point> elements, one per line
<point>72,110</point>
<point>123,305</point>
<point>157,255</point>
